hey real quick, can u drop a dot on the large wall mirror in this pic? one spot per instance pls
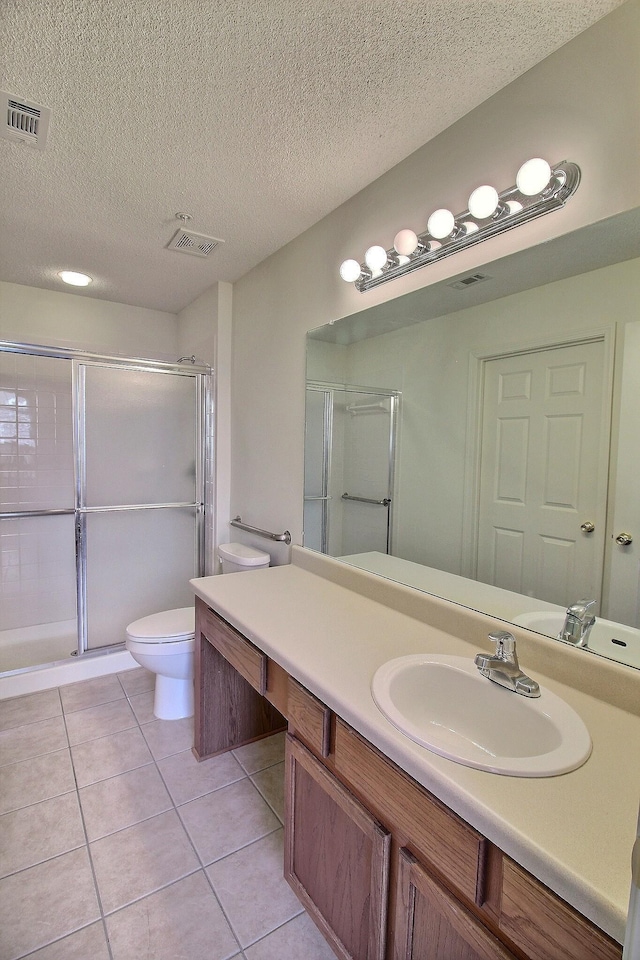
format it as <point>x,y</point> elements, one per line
<point>479,438</point>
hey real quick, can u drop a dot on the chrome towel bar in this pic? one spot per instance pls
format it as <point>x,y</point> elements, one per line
<point>379,503</point>
<point>281,537</point>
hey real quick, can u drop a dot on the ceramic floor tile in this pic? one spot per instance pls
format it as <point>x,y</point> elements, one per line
<point>182,921</point>
<point>294,940</point>
<point>186,778</point>
<point>166,737</point>
<point>89,693</point>
<point>137,681</point>
<point>142,706</point>
<point>30,781</point>
<point>270,783</point>
<point>109,756</point>
<point>39,832</point>
<point>252,890</point>
<point>263,753</point>
<point>28,709</point>
<point>119,802</point>
<point>45,903</point>
<point>141,859</point>
<point>94,722</point>
<point>90,942</point>
<point>222,822</point>
<point>32,740</point>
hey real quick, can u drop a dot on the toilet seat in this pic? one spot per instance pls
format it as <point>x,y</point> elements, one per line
<point>169,626</point>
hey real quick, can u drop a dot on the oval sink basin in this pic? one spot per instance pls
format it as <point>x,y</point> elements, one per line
<point>609,639</point>
<point>447,706</point>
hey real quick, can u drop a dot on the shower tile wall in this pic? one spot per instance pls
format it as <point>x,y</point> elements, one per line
<point>37,563</point>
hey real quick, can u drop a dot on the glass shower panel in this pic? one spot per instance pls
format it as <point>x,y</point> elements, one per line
<point>37,544</point>
<point>138,562</point>
<point>141,443</point>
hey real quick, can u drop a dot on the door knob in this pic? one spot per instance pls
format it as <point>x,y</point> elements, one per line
<point>587,526</point>
<point>624,539</point>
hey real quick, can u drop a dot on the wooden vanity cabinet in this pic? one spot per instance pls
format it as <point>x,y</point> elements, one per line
<point>387,871</point>
<point>232,696</point>
<point>452,895</point>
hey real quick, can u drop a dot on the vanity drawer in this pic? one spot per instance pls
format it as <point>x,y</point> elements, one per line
<point>433,833</point>
<point>546,927</point>
<point>309,719</point>
<point>250,662</point>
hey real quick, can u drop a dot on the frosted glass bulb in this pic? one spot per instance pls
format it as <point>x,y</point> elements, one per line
<point>514,206</point>
<point>350,270</point>
<point>441,223</point>
<point>406,242</point>
<point>76,279</point>
<point>470,227</point>
<point>483,202</point>
<point>533,176</point>
<point>375,258</point>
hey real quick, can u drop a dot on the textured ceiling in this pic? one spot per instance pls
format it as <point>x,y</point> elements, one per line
<point>256,118</point>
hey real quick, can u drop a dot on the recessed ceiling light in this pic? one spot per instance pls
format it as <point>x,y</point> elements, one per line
<point>77,279</point>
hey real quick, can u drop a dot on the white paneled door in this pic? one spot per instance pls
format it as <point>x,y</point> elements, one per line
<point>542,497</point>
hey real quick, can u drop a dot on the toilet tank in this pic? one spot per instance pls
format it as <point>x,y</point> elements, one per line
<point>236,558</point>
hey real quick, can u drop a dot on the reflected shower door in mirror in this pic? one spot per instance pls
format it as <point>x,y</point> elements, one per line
<point>350,444</point>
<point>516,460</point>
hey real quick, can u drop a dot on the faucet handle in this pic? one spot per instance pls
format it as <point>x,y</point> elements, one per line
<point>505,644</point>
<point>582,608</point>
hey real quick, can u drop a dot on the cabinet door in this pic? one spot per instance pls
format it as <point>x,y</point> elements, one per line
<point>432,925</point>
<point>336,858</point>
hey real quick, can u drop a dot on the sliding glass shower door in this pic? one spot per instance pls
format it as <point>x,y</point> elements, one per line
<point>138,496</point>
<point>102,515</point>
<point>38,617</point>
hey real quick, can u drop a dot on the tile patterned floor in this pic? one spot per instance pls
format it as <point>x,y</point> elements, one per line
<point>116,844</point>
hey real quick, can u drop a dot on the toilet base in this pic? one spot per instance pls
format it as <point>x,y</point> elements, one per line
<point>174,698</point>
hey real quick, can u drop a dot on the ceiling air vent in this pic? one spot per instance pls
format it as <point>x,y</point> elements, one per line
<point>23,121</point>
<point>196,244</point>
<point>469,281</point>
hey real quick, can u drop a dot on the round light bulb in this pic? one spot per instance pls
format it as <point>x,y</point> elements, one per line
<point>375,258</point>
<point>470,227</point>
<point>350,270</point>
<point>483,202</point>
<point>514,206</point>
<point>533,176</point>
<point>406,242</point>
<point>441,223</point>
<point>76,279</point>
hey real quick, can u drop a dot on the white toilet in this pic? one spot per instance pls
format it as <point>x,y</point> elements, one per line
<point>164,642</point>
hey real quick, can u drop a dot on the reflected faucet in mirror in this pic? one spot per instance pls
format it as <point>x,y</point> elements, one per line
<point>578,622</point>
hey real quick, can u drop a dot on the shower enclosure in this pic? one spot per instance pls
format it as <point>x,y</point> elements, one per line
<point>102,512</point>
<point>350,450</point>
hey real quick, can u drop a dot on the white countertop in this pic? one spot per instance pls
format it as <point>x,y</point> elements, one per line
<point>574,832</point>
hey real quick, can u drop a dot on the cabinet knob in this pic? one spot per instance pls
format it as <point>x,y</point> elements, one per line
<point>624,539</point>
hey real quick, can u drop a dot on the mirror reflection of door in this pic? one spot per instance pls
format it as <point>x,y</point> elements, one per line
<point>543,473</point>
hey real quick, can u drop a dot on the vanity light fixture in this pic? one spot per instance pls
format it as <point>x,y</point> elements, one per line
<point>539,189</point>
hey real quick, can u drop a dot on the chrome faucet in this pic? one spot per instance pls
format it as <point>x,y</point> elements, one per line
<point>503,666</point>
<point>578,622</point>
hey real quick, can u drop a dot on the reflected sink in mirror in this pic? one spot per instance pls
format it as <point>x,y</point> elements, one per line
<point>444,704</point>
<point>612,640</point>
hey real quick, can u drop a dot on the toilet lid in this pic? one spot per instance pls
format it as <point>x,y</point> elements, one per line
<point>179,624</point>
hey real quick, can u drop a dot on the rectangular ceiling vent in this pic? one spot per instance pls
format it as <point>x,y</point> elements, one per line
<point>469,281</point>
<point>23,121</point>
<point>196,244</point>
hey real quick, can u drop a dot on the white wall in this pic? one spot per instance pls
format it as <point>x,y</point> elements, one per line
<point>205,330</point>
<point>580,104</point>
<point>67,320</point>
